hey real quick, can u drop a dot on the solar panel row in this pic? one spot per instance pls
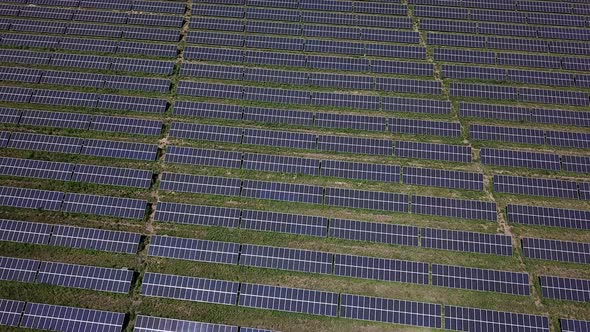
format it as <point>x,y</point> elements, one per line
<point>55,59</point>
<point>93,29</point>
<point>322,142</point>
<point>157,324</point>
<point>66,275</point>
<point>301,78</point>
<point>530,136</point>
<point>289,259</point>
<point>96,81</point>
<point>326,304</point>
<point>89,147</point>
<point>69,236</point>
<point>539,187</point>
<point>71,202</point>
<point>90,45</point>
<point>253,57</point>
<point>94,15</point>
<point>200,184</point>
<point>336,228</point>
<point>286,96</point>
<point>516,59</point>
<point>501,92</point>
<point>327,120</point>
<point>515,75</point>
<point>135,5</point>
<point>520,6</point>
<point>81,121</point>
<point>286,10</point>
<point>82,99</point>
<point>524,114</point>
<point>75,172</point>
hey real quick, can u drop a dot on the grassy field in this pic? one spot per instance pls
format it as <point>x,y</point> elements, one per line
<point>135,304</point>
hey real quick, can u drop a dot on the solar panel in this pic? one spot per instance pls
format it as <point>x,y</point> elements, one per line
<point>50,143</point>
<point>457,208</point>
<point>424,127</point>
<point>211,90</point>
<point>568,139</point>
<point>104,206</point>
<point>507,134</point>
<point>208,110</point>
<point>130,103</point>
<point>555,250</point>
<point>55,119</point>
<point>272,115</point>
<point>361,199</point>
<point>289,192</point>
<point>572,325</point>
<point>206,132</point>
<point>480,279</point>
<point>569,289</point>
<point>279,138</point>
<point>4,136</point>
<point>381,269</point>
<point>31,198</point>
<point>349,121</point>
<point>284,223</point>
<point>535,186</point>
<point>24,232</point>
<point>125,177</point>
<point>275,76</point>
<point>36,169</point>
<point>274,59</point>
<point>390,311</point>
<point>95,239</point>
<point>482,243</point>
<point>526,159</point>
<point>17,269</point>
<point>286,259</point>
<point>212,71</point>
<point>373,232</point>
<point>204,157</point>
<point>443,178</point>
<point>472,319</point>
<point>361,171</point>
<point>11,312</point>
<point>86,277</point>
<point>65,98</point>
<point>289,299</point>
<point>126,125</point>
<point>200,184</point>
<point>272,95</point>
<point>351,144</point>
<point>578,164</point>
<point>14,94</point>
<point>355,101</point>
<point>282,164</point>
<point>197,215</point>
<point>548,216</point>
<point>584,190</point>
<point>117,149</point>
<point>10,115</point>
<point>190,289</point>
<point>431,151</point>
<point>60,318</point>
<point>194,250</point>
<point>157,324</point>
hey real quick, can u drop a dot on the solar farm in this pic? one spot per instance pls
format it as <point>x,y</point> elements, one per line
<point>295,165</point>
